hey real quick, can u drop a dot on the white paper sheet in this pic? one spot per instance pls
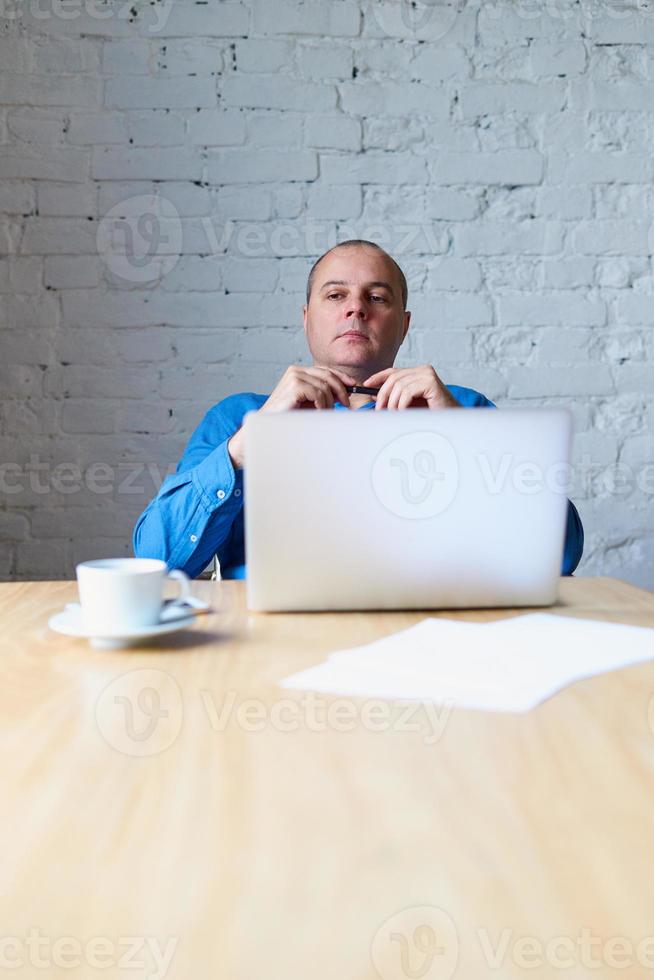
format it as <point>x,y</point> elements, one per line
<point>508,665</point>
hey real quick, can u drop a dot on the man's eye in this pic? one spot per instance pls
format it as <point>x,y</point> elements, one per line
<point>334,295</point>
<point>379,299</point>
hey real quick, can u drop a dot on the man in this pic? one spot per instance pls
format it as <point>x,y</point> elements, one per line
<point>355,321</point>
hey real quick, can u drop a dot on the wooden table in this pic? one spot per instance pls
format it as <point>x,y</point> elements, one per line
<point>172,801</point>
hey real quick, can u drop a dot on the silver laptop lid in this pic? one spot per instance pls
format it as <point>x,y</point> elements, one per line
<point>405,510</point>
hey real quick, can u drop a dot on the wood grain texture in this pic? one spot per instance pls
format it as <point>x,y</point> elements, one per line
<point>272,836</point>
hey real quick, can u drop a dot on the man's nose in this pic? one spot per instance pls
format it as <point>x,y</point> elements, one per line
<point>356,308</point>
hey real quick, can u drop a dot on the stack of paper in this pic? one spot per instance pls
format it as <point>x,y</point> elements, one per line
<point>508,665</point>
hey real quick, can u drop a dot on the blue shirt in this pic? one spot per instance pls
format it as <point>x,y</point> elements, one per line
<point>198,512</point>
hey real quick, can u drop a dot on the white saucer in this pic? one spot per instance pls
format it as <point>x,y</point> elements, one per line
<point>71,623</point>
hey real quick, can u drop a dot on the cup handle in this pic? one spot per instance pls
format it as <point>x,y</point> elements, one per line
<point>178,605</point>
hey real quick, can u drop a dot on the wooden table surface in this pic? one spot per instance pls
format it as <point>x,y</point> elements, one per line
<point>169,811</point>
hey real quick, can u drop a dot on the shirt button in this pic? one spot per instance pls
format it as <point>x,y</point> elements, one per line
<point>221,495</point>
<point>194,538</point>
<point>237,493</point>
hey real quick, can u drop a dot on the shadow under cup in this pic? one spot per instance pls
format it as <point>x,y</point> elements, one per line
<point>124,592</point>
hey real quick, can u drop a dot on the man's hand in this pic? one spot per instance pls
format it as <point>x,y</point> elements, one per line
<point>299,387</point>
<point>309,387</point>
<point>417,387</point>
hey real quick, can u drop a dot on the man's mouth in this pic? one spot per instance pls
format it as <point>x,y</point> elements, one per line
<point>354,333</point>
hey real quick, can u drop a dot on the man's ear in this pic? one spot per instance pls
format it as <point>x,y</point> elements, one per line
<point>305,310</point>
<point>407,321</point>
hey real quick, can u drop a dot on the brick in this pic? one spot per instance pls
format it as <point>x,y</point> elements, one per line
<point>635,308</point>
<point>325,61</point>
<point>440,347</point>
<point>19,311</point>
<point>63,54</point>
<point>455,274</point>
<point>215,127</point>
<point>186,19</point>
<point>515,22</point>
<point>191,57</point>
<point>20,275</point>
<point>178,163</point>
<point>43,90</point>
<point>16,55</point>
<point>41,560</point>
<point>288,201</point>
<point>462,310</point>
<point>29,162</point>
<point>366,98</point>
<point>277,92</point>
<point>612,238</point>
<point>89,128</point>
<point>622,95</point>
<point>72,272</point>
<point>275,129</point>
<point>565,203</point>
<point>508,238</point>
<point>563,57</point>
<point>392,133</point>
<point>326,201</point>
<point>503,167</point>
<point>559,381</point>
<point>20,381</point>
<point>373,168</point>
<point>127,57</point>
<point>250,275</point>
<point>193,309</point>
<point>480,98</point>
<point>242,167</point>
<point>236,203</point>
<point>66,200</point>
<point>92,415</point>
<point>452,205</point>
<point>561,308</point>
<point>253,54</point>
<point>21,345</point>
<point>603,168</point>
<point>150,418</point>
<point>568,273</point>
<point>17,198</point>
<point>310,17</point>
<point>154,127</point>
<point>160,93</point>
<point>336,132</point>
<point>446,23</point>
<point>37,125</point>
<point>59,236</point>
<point>435,64</point>
<point>197,273</point>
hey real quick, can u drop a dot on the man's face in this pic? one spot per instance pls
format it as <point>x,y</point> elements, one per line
<point>355,319</point>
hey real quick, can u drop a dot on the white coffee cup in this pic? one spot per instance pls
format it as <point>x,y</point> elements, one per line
<point>117,593</point>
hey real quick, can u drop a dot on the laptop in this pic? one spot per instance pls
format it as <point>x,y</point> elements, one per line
<point>418,509</point>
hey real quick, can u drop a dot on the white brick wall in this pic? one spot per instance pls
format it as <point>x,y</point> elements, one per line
<point>502,151</point>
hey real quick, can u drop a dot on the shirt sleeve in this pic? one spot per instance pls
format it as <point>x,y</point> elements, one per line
<point>191,518</point>
<point>574,541</point>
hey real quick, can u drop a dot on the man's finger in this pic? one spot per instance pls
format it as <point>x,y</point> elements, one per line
<point>378,378</point>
